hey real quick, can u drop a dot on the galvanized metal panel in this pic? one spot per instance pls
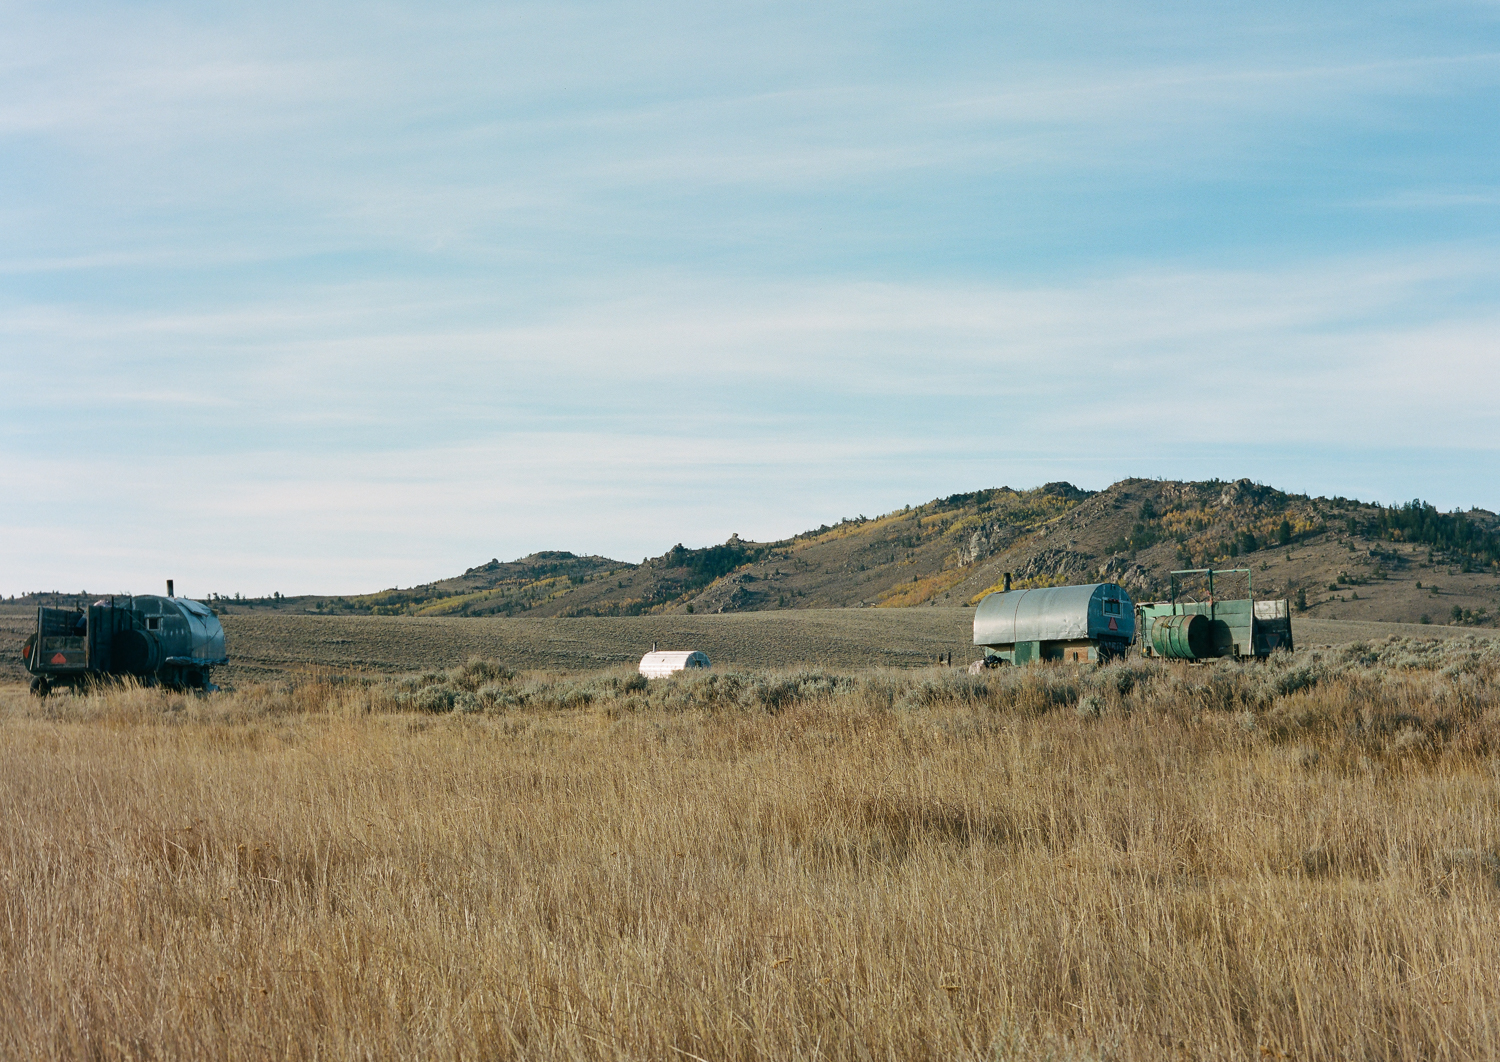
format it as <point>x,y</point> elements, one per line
<point>1054,614</point>
<point>661,663</point>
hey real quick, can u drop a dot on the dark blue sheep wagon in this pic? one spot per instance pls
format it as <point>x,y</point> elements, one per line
<point>167,641</point>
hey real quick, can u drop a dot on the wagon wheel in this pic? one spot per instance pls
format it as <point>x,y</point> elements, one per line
<point>40,687</point>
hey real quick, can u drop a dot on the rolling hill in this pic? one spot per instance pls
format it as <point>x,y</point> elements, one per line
<point>1345,559</point>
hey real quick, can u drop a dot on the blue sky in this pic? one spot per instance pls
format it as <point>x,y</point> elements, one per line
<point>338,297</point>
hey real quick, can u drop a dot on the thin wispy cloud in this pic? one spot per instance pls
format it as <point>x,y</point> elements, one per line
<point>360,297</point>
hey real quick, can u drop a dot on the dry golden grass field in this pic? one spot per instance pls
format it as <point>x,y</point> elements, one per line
<point>1143,861</point>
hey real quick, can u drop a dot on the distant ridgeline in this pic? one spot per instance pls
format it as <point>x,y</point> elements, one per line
<point>953,550</point>
<point>703,566</point>
<point>1454,534</point>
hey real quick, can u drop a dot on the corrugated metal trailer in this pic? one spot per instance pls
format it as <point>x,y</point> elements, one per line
<point>659,663</point>
<point>1092,623</point>
<point>1213,628</point>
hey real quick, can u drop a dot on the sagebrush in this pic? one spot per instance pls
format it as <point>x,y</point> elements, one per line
<point>1295,860</point>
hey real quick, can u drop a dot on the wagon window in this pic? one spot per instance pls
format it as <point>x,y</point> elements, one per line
<point>153,623</point>
<point>1111,607</point>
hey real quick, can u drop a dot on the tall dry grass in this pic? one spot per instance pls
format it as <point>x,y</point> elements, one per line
<point>1144,861</point>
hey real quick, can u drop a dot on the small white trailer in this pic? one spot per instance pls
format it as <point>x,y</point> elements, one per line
<point>661,663</point>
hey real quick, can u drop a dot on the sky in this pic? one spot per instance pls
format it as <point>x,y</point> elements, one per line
<point>329,298</point>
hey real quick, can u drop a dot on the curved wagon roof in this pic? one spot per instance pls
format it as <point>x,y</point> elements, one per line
<point>1054,614</point>
<point>663,662</point>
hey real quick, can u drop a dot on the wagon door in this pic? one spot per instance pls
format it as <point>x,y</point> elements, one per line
<point>101,637</point>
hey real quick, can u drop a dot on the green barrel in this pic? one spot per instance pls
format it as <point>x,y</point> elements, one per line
<point>1183,637</point>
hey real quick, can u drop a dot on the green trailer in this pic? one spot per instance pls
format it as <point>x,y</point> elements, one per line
<point>1185,628</point>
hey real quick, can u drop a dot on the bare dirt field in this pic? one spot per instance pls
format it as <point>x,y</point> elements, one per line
<point>845,638</point>
<point>270,645</point>
<point>1343,632</point>
<point>1296,860</point>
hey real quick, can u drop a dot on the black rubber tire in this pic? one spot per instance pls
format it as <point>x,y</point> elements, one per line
<point>40,687</point>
